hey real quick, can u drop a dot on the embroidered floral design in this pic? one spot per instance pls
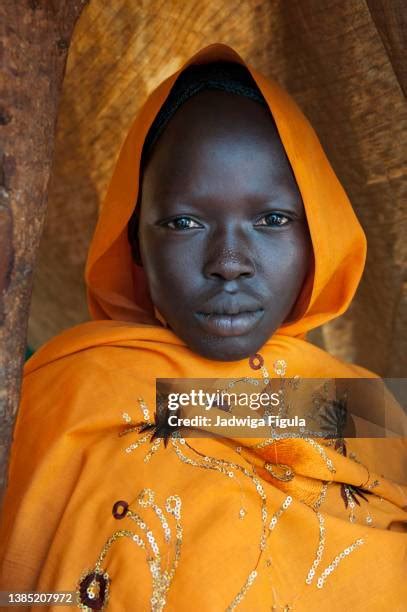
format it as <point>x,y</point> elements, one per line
<point>93,590</point>
<point>161,428</point>
<point>256,361</point>
<point>93,587</point>
<point>154,431</point>
<point>280,367</point>
<point>353,492</point>
<point>117,513</point>
<point>158,430</point>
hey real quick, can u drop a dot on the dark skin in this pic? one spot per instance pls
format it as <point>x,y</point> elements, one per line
<point>223,236</point>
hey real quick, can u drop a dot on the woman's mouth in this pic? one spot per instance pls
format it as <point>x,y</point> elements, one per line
<point>229,324</point>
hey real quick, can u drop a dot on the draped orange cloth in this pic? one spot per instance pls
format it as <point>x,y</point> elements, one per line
<point>211,523</point>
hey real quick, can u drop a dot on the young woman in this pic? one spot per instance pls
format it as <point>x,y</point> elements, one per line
<point>223,239</point>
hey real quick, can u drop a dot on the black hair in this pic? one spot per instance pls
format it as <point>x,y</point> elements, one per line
<point>220,75</point>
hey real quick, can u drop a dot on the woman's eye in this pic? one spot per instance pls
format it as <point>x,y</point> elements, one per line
<point>273,220</point>
<point>182,223</point>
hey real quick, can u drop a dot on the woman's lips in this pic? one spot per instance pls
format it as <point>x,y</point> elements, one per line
<point>229,324</point>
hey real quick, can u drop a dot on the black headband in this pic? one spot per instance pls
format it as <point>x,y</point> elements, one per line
<point>224,76</point>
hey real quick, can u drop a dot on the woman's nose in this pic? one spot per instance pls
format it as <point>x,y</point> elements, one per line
<point>229,263</point>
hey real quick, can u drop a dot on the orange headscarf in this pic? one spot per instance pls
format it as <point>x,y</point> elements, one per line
<point>117,290</point>
<point>217,524</point>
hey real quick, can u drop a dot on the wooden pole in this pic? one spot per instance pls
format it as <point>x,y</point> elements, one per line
<point>34,40</point>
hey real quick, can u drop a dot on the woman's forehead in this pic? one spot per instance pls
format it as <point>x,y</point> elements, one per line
<point>235,149</point>
<point>218,112</point>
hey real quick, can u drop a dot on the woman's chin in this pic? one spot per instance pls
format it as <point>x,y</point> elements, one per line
<point>235,348</point>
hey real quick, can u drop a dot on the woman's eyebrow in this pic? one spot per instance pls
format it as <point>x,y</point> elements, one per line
<point>199,207</point>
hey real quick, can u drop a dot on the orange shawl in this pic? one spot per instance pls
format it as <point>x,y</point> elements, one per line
<point>213,524</point>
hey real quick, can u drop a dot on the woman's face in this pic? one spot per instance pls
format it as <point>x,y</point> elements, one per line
<point>223,235</point>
